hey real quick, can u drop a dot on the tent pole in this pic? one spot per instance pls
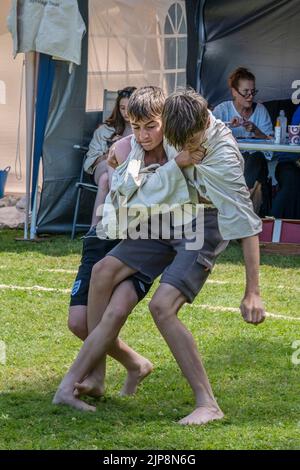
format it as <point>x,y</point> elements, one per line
<point>201,43</point>
<point>33,215</point>
<point>30,96</point>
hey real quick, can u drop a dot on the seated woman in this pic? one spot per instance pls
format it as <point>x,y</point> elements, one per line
<point>115,127</point>
<point>248,119</point>
<point>286,204</point>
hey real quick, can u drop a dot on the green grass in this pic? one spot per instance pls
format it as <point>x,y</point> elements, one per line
<point>250,368</point>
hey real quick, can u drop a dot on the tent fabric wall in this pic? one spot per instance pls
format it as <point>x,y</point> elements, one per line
<point>135,43</point>
<point>192,15</point>
<point>262,35</point>
<point>67,118</point>
<point>61,163</point>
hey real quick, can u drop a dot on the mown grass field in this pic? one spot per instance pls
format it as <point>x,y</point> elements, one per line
<point>251,368</point>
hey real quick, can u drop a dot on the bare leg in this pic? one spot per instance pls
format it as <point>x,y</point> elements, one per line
<point>137,366</point>
<point>164,307</point>
<point>77,323</point>
<point>106,275</point>
<point>97,344</point>
<point>101,178</point>
<point>256,196</point>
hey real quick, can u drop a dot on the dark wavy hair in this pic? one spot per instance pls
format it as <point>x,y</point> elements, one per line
<point>115,119</point>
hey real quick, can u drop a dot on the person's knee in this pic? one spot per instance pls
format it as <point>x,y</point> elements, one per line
<point>100,170</point>
<point>160,309</point>
<point>116,315</point>
<point>77,324</point>
<point>103,182</point>
<point>119,311</point>
<point>103,272</point>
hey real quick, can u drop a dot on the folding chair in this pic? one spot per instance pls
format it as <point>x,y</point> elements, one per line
<point>109,99</point>
<point>81,186</point>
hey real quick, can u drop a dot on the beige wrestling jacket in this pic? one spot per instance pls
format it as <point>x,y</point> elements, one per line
<point>218,178</point>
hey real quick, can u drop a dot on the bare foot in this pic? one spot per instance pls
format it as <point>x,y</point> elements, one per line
<point>134,377</point>
<point>63,398</point>
<point>203,415</point>
<point>88,387</point>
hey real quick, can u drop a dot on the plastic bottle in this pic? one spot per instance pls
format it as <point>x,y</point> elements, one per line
<point>277,132</point>
<point>283,126</point>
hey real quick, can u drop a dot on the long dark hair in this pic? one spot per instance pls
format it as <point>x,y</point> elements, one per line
<point>115,119</point>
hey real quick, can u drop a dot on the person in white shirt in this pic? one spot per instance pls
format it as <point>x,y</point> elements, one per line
<point>117,125</point>
<point>248,119</point>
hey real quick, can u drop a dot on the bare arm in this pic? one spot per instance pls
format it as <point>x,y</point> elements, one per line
<point>252,307</point>
<point>117,154</point>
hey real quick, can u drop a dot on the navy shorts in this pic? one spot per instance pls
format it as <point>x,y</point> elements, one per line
<point>93,250</point>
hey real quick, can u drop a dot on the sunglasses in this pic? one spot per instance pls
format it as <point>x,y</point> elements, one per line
<point>248,93</point>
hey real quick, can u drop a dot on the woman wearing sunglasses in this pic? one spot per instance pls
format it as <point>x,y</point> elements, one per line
<point>115,127</point>
<point>248,119</point>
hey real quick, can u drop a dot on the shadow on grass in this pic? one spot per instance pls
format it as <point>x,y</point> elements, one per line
<point>55,245</point>
<point>254,383</point>
<point>255,379</point>
<point>61,245</point>
<point>34,403</point>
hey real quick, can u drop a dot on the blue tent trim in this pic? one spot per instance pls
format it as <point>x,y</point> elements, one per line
<point>44,89</point>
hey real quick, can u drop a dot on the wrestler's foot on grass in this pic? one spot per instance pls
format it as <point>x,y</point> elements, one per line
<point>135,377</point>
<point>63,397</point>
<point>89,386</point>
<point>203,415</point>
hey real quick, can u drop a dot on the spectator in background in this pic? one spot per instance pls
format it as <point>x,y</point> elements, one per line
<point>286,204</point>
<point>115,127</point>
<point>248,119</point>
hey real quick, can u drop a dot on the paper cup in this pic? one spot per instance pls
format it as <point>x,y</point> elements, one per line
<point>294,135</point>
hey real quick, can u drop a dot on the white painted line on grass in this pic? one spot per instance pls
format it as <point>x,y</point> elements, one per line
<point>35,288</point>
<point>2,353</point>
<point>265,286</point>
<point>288,288</point>
<point>220,308</point>
<point>214,281</point>
<point>69,271</point>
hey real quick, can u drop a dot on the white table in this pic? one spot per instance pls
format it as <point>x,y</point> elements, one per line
<point>265,146</point>
<point>260,145</point>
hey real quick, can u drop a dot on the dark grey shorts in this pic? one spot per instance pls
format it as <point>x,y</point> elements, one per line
<point>183,268</point>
